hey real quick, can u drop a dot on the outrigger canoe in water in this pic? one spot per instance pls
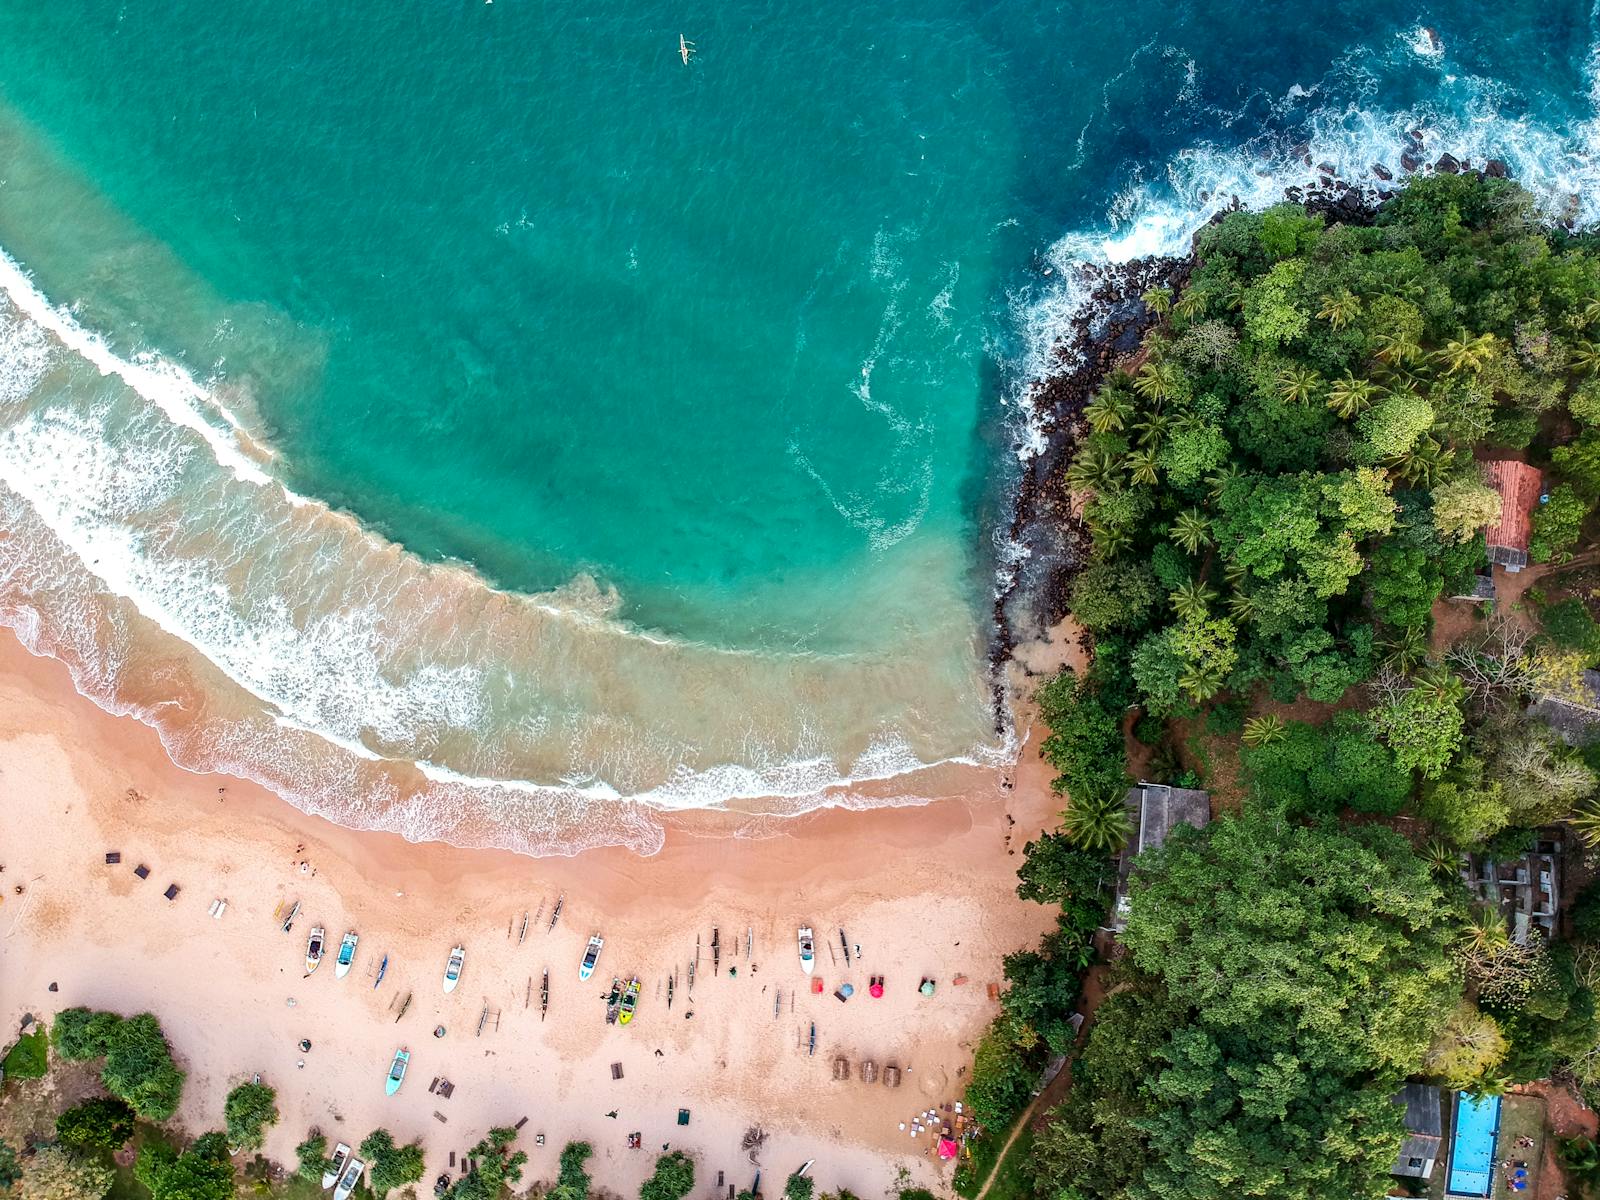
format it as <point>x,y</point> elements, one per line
<point>314,948</point>
<point>590,957</point>
<point>808,950</point>
<point>397,1071</point>
<point>347,954</point>
<point>630,1000</point>
<point>452,970</point>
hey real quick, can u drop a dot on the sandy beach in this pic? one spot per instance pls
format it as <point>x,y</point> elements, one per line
<point>924,891</point>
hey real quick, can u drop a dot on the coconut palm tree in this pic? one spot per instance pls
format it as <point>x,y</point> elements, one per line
<point>1193,599</point>
<point>1095,471</point>
<point>1201,682</point>
<point>1585,822</point>
<point>1151,431</point>
<point>1484,931</point>
<point>1098,821</point>
<point>1191,304</point>
<point>1422,464</point>
<point>1396,348</point>
<point>1109,541</point>
<point>1241,606</point>
<point>1219,480</point>
<point>1141,466</point>
<point>1263,731</point>
<point>1442,858</point>
<point>1441,684</point>
<point>1591,312</point>
<point>1349,396</point>
<point>1191,530</point>
<point>1407,649</point>
<point>1340,309</point>
<point>1157,381</point>
<point>1468,353</point>
<point>1585,357</point>
<point>1158,300</point>
<point>1297,384</point>
<point>1109,410</point>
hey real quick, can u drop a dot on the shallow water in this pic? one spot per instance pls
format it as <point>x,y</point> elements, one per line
<point>471,420</point>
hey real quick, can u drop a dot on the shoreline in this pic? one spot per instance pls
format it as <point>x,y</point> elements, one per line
<point>925,891</point>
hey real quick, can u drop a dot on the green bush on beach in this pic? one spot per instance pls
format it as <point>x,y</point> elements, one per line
<point>139,1067</point>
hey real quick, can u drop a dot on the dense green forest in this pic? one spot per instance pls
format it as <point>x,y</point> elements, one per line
<point>1283,489</point>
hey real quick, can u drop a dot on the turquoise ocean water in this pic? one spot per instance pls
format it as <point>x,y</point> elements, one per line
<point>469,419</point>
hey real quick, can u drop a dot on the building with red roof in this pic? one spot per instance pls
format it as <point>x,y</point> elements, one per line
<point>1519,486</point>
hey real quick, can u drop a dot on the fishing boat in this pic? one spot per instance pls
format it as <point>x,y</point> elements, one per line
<point>614,1001</point>
<point>314,948</point>
<point>336,1165</point>
<point>397,1071</point>
<point>556,916</point>
<point>672,982</point>
<point>347,954</point>
<point>544,995</point>
<point>348,1181</point>
<point>630,1001</point>
<point>452,969</point>
<point>808,950</point>
<point>288,921</point>
<point>591,956</point>
<point>383,969</point>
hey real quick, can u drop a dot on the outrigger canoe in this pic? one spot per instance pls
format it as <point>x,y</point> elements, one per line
<point>347,954</point>
<point>336,1165</point>
<point>452,969</point>
<point>590,957</point>
<point>383,969</point>
<point>348,1181</point>
<point>314,948</point>
<point>630,1000</point>
<point>397,1071</point>
<point>808,950</point>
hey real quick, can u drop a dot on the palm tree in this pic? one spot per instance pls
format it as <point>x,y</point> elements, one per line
<point>1191,530</point>
<point>1340,309</point>
<point>1441,684</point>
<point>1152,429</point>
<point>1484,931</point>
<point>1109,411</point>
<point>1585,822</point>
<point>1580,1162</point>
<point>1191,304</point>
<point>1142,467</point>
<point>1422,464</point>
<point>1193,599</point>
<point>1241,606</point>
<point>1098,821</point>
<point>1297,385</point>
<point>1405,650</point>
<point>1221,478</point>
<point>1263,731</point>
<point>1157,380</point>
<point>1158,300</point>
<point>1396,347</point>
<point>1235,573</point>
<point>1442,858</point>
<point>1585,357</point>
<point>1591,312</point>
<point>1469,353</point>
<point>1349,396</point>
<point>1095,471</point>
<point>1110,541</point>
<point>1201,682</point>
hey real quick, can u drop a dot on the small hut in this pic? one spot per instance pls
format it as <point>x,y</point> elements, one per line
<point>869,1071</point>
<point>1520,487</point>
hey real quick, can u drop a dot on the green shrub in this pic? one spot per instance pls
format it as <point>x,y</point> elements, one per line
<point>249,1109</point>
<point>29,1058</point>
<point>105,1123</point>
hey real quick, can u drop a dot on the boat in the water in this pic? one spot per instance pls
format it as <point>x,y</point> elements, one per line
<point>315,944</point>
<point>630,1000</point>
<point>336,1165</point>
<point>808,950</point>
<point>348,1181</point>
<point>452,969</point>
<point>591,956</point>
<point>397,1071</point>
<point>383,969</point>
<point>347,954</point>
<point>614,1001</point>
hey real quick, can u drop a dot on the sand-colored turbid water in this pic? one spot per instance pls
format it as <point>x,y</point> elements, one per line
<point>925,891</point>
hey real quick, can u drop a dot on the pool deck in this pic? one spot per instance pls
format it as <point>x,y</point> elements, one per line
<point>1520,1116</point>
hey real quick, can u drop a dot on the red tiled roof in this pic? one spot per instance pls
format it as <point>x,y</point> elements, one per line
<point>1519,487</point>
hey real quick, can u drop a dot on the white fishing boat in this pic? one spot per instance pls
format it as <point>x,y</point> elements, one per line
<point>347,954</point>
<point>314,948</point>
<point>336,1165</point>
<point>397,1071</point>
<point>348,1181</point>
<point>452,970</point>
<point>808,950</point>
<point>590,957</point>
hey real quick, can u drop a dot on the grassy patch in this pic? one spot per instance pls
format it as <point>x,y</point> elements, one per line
<point>974,1172</point>
<point>29,1058</point>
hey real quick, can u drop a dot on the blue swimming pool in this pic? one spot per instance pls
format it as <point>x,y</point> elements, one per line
<point>1477,1125</point>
